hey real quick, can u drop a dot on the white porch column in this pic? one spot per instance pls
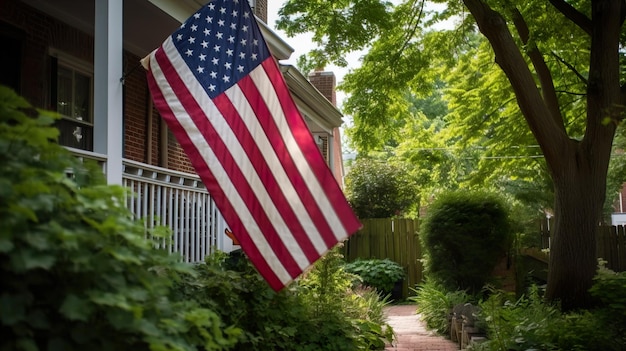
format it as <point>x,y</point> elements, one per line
<point>108,104</point>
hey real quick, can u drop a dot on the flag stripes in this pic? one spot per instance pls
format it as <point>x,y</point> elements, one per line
<point>257,158</point>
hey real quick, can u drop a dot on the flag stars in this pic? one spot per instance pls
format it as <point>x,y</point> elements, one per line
<point>233,26</point>
<point>221,23</point>
<point>205,44</point>
<point>243,42</point>
<point>223,10</point>
<point>235,13</point>
<point>240,68</point>
<point>202,57</point>
<point>246,15</point>
<point>215,61</point>
<point>200,69</point>
<point>229,52</point>
<point>179,37</point>
<point>219,35</point>
<point>194,27</point>
<point>253,57</point>
<point>226,79</point>
<point>231,39</point>
<point>217,48</point>
<point>209,19</point>
<point>213,74</point>
<point>244,29</point>
<point>211,87</point>
<point>228,65</point>
<point>242,55</point>
<point>189,52</point>
<point>191,40</point>
<point>196,15</point>
<point>211,6</point>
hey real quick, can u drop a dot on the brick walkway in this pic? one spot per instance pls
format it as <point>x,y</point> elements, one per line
<point>411,332</point>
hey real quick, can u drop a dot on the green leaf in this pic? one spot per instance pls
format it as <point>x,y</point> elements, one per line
<point>76,308</point>
<point>30,259</point>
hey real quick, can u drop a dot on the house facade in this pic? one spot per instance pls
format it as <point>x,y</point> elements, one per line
<point>81,59</point>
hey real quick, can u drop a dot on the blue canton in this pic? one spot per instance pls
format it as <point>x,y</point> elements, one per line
<point>221,44</point>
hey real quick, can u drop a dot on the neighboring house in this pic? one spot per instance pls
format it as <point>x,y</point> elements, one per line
<point>81,58</point>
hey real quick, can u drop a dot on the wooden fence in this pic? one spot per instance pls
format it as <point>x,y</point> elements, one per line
<point>610,244</point>
<point>395,239</point>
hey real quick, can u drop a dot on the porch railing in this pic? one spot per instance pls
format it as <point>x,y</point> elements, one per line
<point>178,200</point>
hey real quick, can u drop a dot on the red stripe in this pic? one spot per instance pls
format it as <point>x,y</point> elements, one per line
<point>203,171</point>
<point>309,149</point>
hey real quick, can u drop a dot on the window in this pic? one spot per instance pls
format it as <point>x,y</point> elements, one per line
<point>72,97</point>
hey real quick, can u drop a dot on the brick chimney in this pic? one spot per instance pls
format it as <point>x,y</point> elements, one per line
<point>325,82</point>
<point>260,9</point>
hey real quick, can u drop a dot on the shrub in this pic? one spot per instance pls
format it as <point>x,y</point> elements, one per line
<point>529,323</point>
<point>435,303</point>
<point>464,235</point>
<point>380,274</point>
<point>379,189</point>
<point>77,271</point>
<point>321,301</point>
<point>609,289</point>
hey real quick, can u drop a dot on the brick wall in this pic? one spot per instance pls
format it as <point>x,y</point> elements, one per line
<point>325,82</point>
<point>260,9</point>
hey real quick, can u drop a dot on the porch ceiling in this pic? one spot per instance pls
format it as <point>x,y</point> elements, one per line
<point>145,25</point>
<point>146,22</point>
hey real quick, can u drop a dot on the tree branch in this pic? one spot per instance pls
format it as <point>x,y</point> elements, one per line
<point>570,67</point>
<point>577,17</point>
<point>549,134</point>
<point>542,70</point>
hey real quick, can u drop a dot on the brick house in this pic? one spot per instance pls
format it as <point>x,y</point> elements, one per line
<point>81,59</point>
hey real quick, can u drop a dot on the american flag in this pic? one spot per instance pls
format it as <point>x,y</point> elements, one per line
<point>222,94</point>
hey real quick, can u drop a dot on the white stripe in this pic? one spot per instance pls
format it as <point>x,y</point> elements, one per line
<point>273,103</point>
<point>286,186</point>
<point>240,157</point>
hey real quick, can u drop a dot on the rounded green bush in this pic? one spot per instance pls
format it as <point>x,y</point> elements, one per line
<point>464,234</point>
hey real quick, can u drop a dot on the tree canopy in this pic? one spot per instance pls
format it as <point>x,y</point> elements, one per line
<point>537,79</point>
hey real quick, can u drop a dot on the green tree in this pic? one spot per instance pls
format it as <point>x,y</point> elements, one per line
<point>559,64</point>
<point>376,188</point>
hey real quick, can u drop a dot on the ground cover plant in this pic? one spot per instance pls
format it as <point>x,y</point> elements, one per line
<point>380,274</point>
<point>531,323</point>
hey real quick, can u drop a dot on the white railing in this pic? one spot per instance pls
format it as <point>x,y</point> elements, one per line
<point>178,200</point>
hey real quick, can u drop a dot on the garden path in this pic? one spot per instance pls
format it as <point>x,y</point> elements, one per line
<point>411,332</point>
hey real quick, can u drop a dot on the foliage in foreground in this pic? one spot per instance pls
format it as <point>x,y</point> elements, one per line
<point>464,235</point>
<point>318,312</point>
<point>79,273</point>
<point>77,270</point>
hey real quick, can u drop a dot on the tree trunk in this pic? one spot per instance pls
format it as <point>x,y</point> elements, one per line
<point>579,190</point>
<point>578,168</point>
